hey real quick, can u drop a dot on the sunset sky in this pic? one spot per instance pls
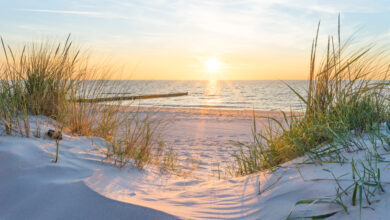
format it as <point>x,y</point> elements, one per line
<point>195,39</point>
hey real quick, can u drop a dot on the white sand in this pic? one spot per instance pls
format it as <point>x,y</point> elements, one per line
<point>84,186</point>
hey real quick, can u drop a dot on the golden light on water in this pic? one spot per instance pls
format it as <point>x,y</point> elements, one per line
<point>212,88</point>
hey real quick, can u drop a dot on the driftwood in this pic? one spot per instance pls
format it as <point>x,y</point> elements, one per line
<point>122,98</point>
<point>54,134</point>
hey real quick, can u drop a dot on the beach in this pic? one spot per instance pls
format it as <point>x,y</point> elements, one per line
<point>203,137</point>
<point>85,184</point>
<point>209,136</point>
<point>194,110</point>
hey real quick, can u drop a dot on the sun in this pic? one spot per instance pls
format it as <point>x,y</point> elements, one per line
<point>212,65</point>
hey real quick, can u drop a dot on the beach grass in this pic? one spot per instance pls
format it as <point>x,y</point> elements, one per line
<point>48,78</point>
<point>347,94</point>
<point>359,187</point>
<point>345,105</point>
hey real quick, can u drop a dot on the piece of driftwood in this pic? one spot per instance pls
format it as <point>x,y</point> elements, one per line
<point>54,134</point>
<point>122,98</point>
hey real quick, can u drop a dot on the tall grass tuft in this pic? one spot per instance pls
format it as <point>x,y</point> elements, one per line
<point>41,76</point>
<point>346,93</point>
<point>49,78</point>
<point>139,140</point>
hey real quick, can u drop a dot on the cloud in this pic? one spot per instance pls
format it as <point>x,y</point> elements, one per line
<point>72,12</point>
<point>215,24</point>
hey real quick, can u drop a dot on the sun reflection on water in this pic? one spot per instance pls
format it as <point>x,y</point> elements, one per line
<point>212,88</point>
<point>212,94</point>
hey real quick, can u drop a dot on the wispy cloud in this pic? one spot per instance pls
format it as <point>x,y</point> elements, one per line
<point>252,33</point>
<point>72,12</point>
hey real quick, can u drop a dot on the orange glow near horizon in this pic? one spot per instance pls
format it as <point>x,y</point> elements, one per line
<point>163,40</point>
<point>173,66</point>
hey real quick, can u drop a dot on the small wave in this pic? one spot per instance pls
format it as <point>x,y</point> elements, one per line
<point>237,103</point>
<point>215,106</point>
<point>208,98</point>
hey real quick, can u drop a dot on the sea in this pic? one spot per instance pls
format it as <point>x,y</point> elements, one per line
<point>249,95</point>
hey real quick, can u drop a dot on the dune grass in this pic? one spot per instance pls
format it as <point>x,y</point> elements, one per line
<point>345,105</point>
<point>39,78</point>
<point>347,93</point>
<point>358,187</point>
<point>48,78</point>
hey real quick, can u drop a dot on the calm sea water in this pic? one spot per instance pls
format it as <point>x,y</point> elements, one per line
<point>258,95</point>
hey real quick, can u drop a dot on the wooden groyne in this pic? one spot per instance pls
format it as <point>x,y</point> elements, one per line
<point>122,98</point>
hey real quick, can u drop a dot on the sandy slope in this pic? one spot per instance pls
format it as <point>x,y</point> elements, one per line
<point>31,187</point>
<point>83,185</point>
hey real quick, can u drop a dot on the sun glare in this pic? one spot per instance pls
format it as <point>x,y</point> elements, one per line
<point>212,65</point>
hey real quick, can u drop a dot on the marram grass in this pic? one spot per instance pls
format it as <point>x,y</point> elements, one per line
<point>347,93</point>
<point>48,78</point>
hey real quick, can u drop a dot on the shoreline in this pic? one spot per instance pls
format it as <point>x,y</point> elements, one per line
<point>240,113</point>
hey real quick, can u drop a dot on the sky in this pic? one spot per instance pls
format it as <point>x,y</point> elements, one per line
<point>195,39</point>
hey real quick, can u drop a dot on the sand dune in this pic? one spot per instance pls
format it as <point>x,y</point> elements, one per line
<point>83,185</point>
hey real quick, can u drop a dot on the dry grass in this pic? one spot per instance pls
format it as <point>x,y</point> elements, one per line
<point>347,92</point>
<point>48,79</point>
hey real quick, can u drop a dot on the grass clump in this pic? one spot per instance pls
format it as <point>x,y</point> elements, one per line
<point>139,140</point>
<point>360,186</point>
<point>40,78</point>
<point>49,78</point>
<point>346,94</point>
